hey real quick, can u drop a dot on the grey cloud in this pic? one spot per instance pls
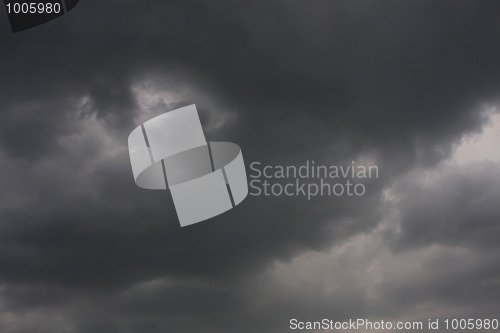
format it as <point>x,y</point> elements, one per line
<point>458,209</point>
<point>402,81</point>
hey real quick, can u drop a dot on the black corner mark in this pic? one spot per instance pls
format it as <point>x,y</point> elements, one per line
<point>26,14</point>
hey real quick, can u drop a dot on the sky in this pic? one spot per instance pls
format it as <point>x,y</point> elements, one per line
<point>411,86</point>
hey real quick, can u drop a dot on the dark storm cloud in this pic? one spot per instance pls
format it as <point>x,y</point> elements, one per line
<point>459,209</point>
<point>319,80</point>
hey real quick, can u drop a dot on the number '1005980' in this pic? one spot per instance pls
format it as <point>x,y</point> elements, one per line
<point>33,8</point>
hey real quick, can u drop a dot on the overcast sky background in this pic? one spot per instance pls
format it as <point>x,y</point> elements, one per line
<point>412,86</point>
